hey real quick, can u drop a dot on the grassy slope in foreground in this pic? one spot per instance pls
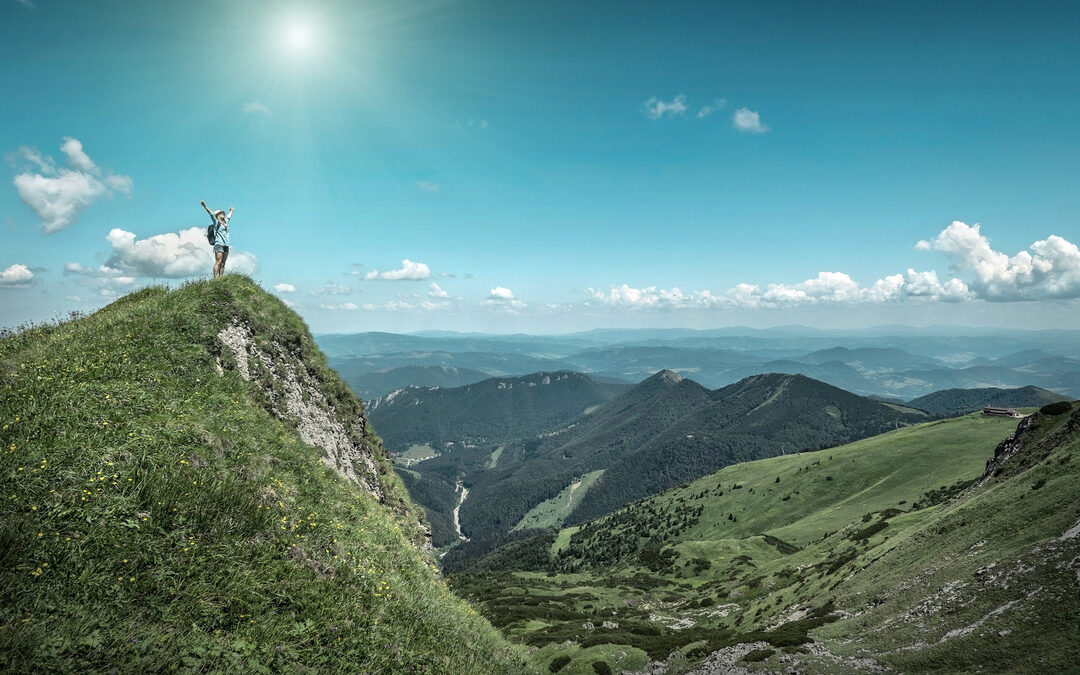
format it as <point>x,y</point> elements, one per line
<point>865,528</point>
<point>155,515</point>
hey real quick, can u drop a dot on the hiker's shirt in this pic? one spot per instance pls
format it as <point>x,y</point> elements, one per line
<point>221,232</point>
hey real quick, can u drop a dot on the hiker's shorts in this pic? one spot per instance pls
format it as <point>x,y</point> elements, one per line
<point>218,248</point>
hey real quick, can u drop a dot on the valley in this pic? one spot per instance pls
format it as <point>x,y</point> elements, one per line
<point>894,552</point>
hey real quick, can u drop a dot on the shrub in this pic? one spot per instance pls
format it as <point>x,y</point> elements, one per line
<point>758,655</point>
<point>558,663</point>
<point>601,667</point>
<point>1059,408</point>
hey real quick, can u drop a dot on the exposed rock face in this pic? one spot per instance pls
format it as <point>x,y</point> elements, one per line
<point>1026,446</point>
<point>295,395</point>
<point>1005,451</point>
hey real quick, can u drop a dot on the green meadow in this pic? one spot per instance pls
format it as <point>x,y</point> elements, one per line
<point>850,547</point>
<point>156,517</point>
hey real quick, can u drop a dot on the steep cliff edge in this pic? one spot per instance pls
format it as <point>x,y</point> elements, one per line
<point>186,484</point>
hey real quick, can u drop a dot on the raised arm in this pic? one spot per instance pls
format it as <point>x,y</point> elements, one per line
<point>207,209</point>
<point>229,215</point>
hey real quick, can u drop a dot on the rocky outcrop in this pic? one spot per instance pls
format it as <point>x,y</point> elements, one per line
<point>293,394</point>
<point>1034,439</point>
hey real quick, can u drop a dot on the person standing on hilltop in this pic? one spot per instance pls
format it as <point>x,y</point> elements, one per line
<point>221,237</point>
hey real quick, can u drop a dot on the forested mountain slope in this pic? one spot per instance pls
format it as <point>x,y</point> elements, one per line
<point>952,402</point>
<point>494,410</point>
<point>660,433</point>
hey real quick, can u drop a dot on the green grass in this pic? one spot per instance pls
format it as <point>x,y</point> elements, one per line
<point>869,531</point>
<point>494,460</point>
<point>554,511</point>
<point>416,453</point>
<point>156,517</point>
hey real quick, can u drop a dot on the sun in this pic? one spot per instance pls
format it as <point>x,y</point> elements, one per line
<point>298,36</point>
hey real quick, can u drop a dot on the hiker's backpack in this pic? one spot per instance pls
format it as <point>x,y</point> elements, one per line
<point>210,234</point>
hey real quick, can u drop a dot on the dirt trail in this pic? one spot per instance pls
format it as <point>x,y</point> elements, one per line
<point>570,497</point>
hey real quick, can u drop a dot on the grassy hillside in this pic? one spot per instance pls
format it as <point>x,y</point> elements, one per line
<point>890,552</point>
<point>162,512</point>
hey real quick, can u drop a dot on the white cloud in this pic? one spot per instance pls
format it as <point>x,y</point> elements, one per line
<point>655,108</point>
<point>435,292</point>
<point>409,271</point>
<point>1050,270</point>
<point>426,186</point>
<point>171,255</point>
<point>77,157</point>
<point>256,108</point>
<point>106,279</point>
<point>748,121</point>
<point>503,298</point>
<point>825,288</point>
<point>58,195</point>
<point>284,288</point>
<point>707,110</point>
<point>330,288</point>
<point>16,276</point>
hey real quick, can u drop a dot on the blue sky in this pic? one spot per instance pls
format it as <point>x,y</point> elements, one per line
<point>549,167</point>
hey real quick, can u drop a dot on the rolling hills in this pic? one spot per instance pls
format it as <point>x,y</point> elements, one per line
<point>188,486</point>
<point>936,547</point>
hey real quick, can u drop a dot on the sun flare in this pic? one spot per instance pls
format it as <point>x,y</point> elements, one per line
<point>298,36</point>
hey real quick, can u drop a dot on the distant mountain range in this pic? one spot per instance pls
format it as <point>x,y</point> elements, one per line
<point>889,362</point>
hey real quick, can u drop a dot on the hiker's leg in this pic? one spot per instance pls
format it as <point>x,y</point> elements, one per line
<point>224,257</point>
<point>219,262</point>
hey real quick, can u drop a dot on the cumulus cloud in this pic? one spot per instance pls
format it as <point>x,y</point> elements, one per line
<point>409,271</point>
<point>58,194</point>
<point>655,108</point>
<point>16,276</point>
<point>107,280</point>
<point>172,255</point>
<point>748,121</point>
<point>1049,270</point>
<point>503,298</point>
<point>435,292</point>
<point>825,288</point>
<point>256,108</point>
<point>284,288</point>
